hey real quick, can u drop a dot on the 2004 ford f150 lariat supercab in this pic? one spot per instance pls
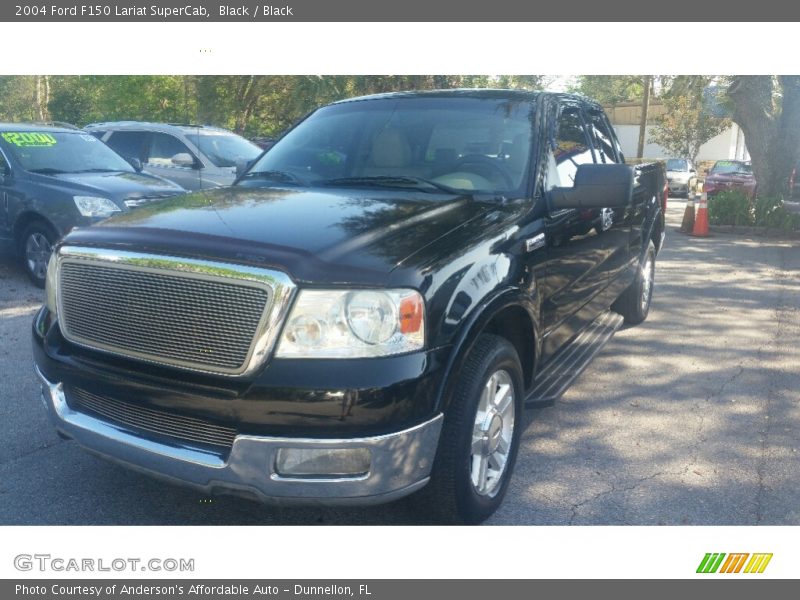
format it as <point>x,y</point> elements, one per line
<point>367,312</point>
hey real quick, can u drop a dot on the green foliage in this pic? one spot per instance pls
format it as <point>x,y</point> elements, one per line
<point>254,105</point>
<point>770,212</point>
<point>610,89</point>
<point>731,207</point>
<point>686,126</point>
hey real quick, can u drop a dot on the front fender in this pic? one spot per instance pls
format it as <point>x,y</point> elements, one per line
<point>476,323</point>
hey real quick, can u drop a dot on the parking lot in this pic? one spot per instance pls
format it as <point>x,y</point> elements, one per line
<point>692,417</point>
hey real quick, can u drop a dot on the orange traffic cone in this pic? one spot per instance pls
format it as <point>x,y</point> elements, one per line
<point>701,220</point>
<point>688,215</point>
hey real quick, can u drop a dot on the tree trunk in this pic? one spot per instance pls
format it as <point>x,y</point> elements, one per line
<point>771,127</point>
<point>43,97</point>
<point>648,83</point>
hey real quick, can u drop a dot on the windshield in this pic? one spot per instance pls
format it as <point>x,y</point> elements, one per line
<point>224,149</point>
<point>677,164</point>
<point>722,167</point>
<point>63,152</point>
<point>440,144</point>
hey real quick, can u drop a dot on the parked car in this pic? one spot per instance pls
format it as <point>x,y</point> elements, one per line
<point>53,179</point>
<point>730,175</point>
<point>193,156</point>
<point>367,312</point>
<point>265,143</point>
<point>681,175</point>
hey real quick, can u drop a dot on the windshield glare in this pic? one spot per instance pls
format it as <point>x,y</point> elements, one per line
<point>224,149</point>
<point>676,164</point>
<point>727,166</point>
<point>462,144</point>
<point>62,152</point>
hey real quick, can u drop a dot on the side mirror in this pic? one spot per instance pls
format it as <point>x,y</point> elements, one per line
<point>5,173</point>
<point>596,186</point>
<point>242,165</point>
<point>183,159</point>
<point>135,163</point>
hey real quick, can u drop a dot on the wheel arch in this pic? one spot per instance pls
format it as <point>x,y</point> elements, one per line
<point>23,221</point>
<point>510,315</point>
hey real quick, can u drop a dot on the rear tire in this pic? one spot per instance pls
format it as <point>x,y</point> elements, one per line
<point>35,246</point>
<point>634,303</point>
<point>480,437</point>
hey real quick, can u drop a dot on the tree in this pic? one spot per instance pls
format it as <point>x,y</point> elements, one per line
<point>767,108</point>
<point>686,125</point>
<point>610,89</point>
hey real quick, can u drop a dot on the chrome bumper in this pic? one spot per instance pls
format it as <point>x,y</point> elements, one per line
<point>401,462</point>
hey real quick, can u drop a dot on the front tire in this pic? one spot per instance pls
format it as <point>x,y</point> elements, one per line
<point>480,436</point>
<point>35,246</point>
<point>634,303</point>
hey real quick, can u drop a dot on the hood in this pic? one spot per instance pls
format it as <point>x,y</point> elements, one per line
<point>117,185</point>
<point>729,177</point>
<point>314,234</point>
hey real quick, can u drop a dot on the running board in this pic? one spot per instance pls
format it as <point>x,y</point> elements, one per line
<point>568,363</point>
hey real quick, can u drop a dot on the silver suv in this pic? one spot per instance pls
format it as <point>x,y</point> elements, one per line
<point>193,156</point>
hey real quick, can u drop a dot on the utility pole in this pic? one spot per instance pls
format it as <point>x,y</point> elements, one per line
<point>648,84</point>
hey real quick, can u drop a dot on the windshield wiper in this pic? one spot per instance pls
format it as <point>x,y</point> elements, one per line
<point>283,176</point>
<point>391,181</point>
<point>97,171</point>
<point>47,171</point>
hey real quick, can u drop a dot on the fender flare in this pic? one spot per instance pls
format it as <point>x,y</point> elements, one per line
<point>488,308</point>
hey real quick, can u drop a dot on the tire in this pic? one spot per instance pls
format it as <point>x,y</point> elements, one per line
<point>35,245</point>
<point>480,437</point>
<point>634,303</point>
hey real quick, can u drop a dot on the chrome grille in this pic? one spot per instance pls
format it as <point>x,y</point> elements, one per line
<point>211,317</point>
<point>179,427</point>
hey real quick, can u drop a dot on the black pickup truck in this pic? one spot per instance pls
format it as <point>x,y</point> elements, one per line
<point>366,313</point>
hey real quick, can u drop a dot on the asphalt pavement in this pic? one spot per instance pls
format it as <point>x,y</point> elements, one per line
<point>691,418</point>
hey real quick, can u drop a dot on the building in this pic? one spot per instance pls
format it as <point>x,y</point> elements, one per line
<point>626,117</point>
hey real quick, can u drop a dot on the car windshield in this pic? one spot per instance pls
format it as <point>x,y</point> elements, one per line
<point>723,167</point>
<point>53,152</point>
<point>677,164</point>
<point>224,149</point>
<point>434,144</point>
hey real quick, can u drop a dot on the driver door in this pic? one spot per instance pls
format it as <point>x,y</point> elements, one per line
<point>575,243</point>
<point>162,151</point>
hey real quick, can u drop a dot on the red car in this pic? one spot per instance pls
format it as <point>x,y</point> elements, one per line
<point>730,175</point>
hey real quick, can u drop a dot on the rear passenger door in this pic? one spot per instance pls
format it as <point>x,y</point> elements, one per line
<point>128,144</point>
<point>166,157</point>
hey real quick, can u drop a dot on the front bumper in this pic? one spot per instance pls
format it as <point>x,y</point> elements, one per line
<point>400,462</point>
<point>678,186</point>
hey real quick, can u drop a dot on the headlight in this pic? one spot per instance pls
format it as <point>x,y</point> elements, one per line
<point>95,206</point>
<point>353,324</point>
<point>51,285</point>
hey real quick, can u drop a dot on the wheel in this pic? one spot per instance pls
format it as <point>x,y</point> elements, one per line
<point>634,302</point>
<point>35,246</point>
<point>485,166</point>
<point>480,436</point>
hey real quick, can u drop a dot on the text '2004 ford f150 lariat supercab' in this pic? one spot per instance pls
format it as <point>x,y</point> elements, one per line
<point>367,312</point>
